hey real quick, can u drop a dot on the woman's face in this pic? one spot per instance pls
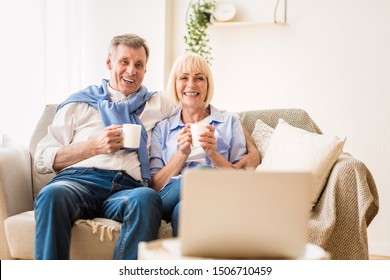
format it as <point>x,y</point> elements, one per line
<point>191,89</point>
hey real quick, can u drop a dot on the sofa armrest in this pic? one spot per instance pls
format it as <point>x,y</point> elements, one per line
<point>15,181</point>
<point>345,209</point>
<point>15,189</point>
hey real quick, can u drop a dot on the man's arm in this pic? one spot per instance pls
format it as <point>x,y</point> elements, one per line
<point>57,149</point>
<point>252,159</point>
<point>109,142</point>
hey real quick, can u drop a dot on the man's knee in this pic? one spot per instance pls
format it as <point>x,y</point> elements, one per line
<point>147,196</point>
<point>50,193</point>
<point>54,195</point>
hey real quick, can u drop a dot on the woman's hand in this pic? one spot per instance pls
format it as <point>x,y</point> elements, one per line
<point>208,141</point>
<point>209,144</point>
<point>184,140</point>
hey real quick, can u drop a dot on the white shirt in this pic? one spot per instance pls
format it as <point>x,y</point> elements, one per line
<point>79,122</point>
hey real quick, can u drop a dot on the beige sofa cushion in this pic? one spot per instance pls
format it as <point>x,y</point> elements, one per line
<point>261,137</point>
<point>295,149</point>
<point>20,230</point>
<point>91,239</point>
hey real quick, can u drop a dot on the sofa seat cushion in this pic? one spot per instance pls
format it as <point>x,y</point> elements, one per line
<point>19,230</point>
<point>91,239</point>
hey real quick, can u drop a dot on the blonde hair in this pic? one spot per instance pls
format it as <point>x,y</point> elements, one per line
<point>191,62</point>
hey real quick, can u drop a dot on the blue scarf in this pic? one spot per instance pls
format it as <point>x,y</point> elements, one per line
<point>118,113</point>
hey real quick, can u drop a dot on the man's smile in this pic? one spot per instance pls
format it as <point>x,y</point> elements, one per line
<point>128,80</point>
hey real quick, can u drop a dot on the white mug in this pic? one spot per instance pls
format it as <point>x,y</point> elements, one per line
<point>196,130</point>
<point>131,135</point>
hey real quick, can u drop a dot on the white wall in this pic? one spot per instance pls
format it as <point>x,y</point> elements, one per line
<point>86,28</point>
<point>22,72</point>
<point>332,59</point>
<point>52,48</point>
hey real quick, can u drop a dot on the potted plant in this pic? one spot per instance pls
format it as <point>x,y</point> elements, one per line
<point>198,20</point>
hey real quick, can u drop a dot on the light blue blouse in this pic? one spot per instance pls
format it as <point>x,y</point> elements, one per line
<point>230,138</point>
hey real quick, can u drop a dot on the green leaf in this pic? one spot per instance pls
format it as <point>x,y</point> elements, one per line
<point>197,38</point>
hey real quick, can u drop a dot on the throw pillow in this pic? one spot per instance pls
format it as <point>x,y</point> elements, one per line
<point>261,136</point>
<point>295,149</point>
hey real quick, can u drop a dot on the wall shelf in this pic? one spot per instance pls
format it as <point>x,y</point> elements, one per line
<point>245,24</point>
<point>255,23</point>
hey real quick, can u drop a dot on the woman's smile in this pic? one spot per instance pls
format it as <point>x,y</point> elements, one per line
<point>190,94</point>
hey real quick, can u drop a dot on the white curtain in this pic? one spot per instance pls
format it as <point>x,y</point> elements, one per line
<point>53,48</point>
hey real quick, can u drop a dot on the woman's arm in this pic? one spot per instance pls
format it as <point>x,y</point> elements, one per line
<point>178,161</point>
<point>173,168</point>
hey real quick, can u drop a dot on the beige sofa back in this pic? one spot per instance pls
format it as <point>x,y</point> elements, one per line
<point>296,117</point>
<point>40,180</point>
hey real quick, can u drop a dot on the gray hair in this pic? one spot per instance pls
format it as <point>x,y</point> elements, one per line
<point>130,40</point>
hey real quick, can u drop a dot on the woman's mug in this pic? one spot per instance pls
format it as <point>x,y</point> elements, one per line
<point>196,130</point>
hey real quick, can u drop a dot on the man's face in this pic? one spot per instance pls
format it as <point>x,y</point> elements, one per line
<point>128,68</point>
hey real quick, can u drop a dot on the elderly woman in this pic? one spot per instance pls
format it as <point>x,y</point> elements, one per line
<point>191,85</point>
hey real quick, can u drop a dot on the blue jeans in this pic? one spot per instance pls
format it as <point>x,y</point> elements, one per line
<point>86,193</point>
<point>170,196</point>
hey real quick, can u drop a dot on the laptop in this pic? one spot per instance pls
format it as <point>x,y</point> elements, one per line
<point>238,214</point>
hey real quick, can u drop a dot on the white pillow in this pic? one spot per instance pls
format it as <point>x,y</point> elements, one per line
<point>295,149</point>
<point>261,136</point>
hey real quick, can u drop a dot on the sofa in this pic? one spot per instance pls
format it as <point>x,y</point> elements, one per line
<point>338,223</point>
